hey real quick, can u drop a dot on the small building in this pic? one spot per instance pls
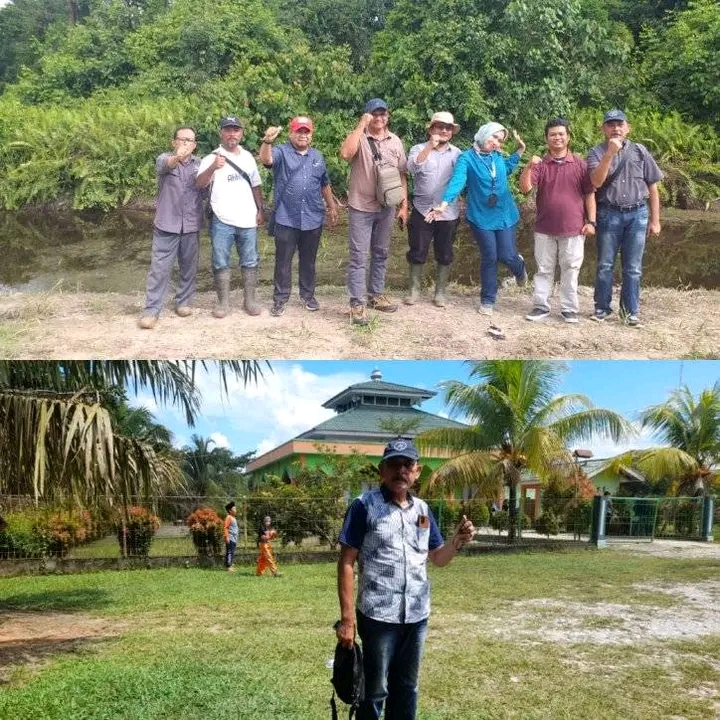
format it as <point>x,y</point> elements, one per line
<point>368,415</point>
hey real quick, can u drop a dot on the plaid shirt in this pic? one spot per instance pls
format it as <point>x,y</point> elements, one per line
<point>393,551</point>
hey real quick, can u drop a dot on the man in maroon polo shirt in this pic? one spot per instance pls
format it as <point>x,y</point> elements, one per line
<point>565,216</point>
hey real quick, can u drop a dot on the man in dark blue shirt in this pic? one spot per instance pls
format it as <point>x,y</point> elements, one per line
<point>301,185</point>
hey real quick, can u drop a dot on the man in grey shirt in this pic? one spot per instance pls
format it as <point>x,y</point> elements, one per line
<point>625,176</point>
<point>432,164</point>
<point>176,228</point>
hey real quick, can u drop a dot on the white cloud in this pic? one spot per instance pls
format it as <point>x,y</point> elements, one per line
<point>260,416</point>
<point>606,448</point>
<point>220,440</point>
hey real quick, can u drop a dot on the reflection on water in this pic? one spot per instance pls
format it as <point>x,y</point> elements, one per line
<point>110,253</point>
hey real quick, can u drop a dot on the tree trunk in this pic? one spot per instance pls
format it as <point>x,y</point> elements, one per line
<point>72,11</point>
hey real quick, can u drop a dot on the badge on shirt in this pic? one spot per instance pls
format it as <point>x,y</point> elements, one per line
<point>423,522</point>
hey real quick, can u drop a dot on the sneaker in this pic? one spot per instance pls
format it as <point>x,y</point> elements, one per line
<point>633,320</point>
<point>569,316</point>
<point>277,309</point>
<point>537,313</point>
<point>147,322</point>
<point>381,303</point>
<point>486,309</point>
<point>311,304</point>
<point>599,315</point>
<point>358,315</point>
<point>183,311</point>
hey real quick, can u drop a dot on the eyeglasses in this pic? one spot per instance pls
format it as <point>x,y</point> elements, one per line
<point>186,140</point>
<point>443,126</point>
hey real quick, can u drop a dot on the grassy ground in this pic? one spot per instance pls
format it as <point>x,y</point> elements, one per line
<point>200,643</point>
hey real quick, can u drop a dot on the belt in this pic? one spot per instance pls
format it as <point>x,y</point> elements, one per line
<point>624,208</point>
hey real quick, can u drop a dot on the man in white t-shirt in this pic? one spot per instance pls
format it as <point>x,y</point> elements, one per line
<point>236,201</point>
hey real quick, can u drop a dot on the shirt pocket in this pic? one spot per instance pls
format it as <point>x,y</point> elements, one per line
<point>423,539</point>
<point>636,168</point>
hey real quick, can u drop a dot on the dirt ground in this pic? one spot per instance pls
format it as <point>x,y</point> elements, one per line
<point>69,325</point>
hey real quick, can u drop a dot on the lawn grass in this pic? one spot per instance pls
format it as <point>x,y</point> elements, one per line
<point>196,643</point>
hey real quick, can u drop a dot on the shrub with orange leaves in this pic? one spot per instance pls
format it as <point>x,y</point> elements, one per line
<point>206,528</point>
<point>140,526</point>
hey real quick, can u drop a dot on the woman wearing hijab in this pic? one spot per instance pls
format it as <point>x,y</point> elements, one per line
<point>491,210</point>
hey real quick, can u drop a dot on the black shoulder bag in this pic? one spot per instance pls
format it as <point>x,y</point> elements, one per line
<point>208,210</point>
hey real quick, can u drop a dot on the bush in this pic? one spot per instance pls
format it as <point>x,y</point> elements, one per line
<point>206,528</point>
<point>547,524</point>
<point>136,536</point>
<point>19,539</point>
<point>500,520</point>
<point>64,530</point>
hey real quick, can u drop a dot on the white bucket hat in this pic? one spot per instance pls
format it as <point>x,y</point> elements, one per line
<point>444,117</point>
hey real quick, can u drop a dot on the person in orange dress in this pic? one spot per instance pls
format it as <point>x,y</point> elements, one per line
<point>266,557</point>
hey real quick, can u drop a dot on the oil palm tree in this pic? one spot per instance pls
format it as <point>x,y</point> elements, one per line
<point>690,429</point>
<point>517,423</point>
<point>59,440</point>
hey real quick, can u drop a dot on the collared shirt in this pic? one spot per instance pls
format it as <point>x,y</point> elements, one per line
<point>561,189</point>
<point>431,178</point>
<point>393,544</point>
<point>178,207</point>
<point>362,182</point>
<point>299,179</point>
<point>630,187</point>
<point>475,171</point>
<point>231,197</point>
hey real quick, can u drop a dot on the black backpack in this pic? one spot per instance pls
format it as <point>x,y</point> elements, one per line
<point>348,678</point>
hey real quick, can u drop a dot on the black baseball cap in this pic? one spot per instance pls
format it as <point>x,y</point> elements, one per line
<point>231,121</point>
<point>615,114</point>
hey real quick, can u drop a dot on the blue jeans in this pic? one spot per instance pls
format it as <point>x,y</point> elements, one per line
<point>391,659</point>
<point>496,246</point>
<point>224,236</point>
<point>624,232</point>
<point>229,553</point>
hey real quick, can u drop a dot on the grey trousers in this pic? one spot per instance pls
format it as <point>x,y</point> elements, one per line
<point>165,248</point>
<point>368,232</point>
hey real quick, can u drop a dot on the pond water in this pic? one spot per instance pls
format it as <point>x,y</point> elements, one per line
<point>110,253</point>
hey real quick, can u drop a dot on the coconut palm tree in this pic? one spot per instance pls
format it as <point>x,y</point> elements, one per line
<point>517,423</point>
<point>690,429</point>
<point>59,440</point>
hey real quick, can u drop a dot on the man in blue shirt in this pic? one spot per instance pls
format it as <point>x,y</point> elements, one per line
<point>301,184</point>
<point>391,534</point>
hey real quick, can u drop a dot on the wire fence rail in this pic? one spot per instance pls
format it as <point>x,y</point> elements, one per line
<point>163,526</point>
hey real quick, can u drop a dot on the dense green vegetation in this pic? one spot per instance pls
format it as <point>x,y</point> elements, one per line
<point>92,89</point>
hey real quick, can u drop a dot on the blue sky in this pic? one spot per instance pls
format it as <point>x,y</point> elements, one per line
<point>288,400</point>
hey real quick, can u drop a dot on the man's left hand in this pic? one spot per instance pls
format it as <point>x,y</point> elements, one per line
<point>588,229</point>
<point>402,214</point>
<point>464,533</point>
<point>654,228</point>
<point>260,218</point>
<point>332,214</point>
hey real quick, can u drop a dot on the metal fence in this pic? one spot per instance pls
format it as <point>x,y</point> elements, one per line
<point>313,525</point>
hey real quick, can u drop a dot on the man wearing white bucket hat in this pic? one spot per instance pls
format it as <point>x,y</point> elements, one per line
<point>432,164</point>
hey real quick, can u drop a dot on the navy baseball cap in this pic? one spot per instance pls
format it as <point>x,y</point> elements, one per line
<point>375,104</point>
<point>401,447</point>
<point>231,121</point>
<point>614,114</point>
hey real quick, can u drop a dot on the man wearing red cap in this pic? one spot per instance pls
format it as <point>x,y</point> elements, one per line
<point>302,192</point>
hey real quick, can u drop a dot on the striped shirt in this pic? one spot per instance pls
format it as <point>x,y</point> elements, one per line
<point>393,550</point>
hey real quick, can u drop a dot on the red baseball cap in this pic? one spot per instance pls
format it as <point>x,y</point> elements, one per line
<point>299,122</point>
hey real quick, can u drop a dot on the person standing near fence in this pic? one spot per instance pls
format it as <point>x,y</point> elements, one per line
<point>266,558</point>
<point>231,532</point>
<point>176,228</point>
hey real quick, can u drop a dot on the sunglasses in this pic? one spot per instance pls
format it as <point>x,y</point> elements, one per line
<point>397,462</point>
<point>443,126</point>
